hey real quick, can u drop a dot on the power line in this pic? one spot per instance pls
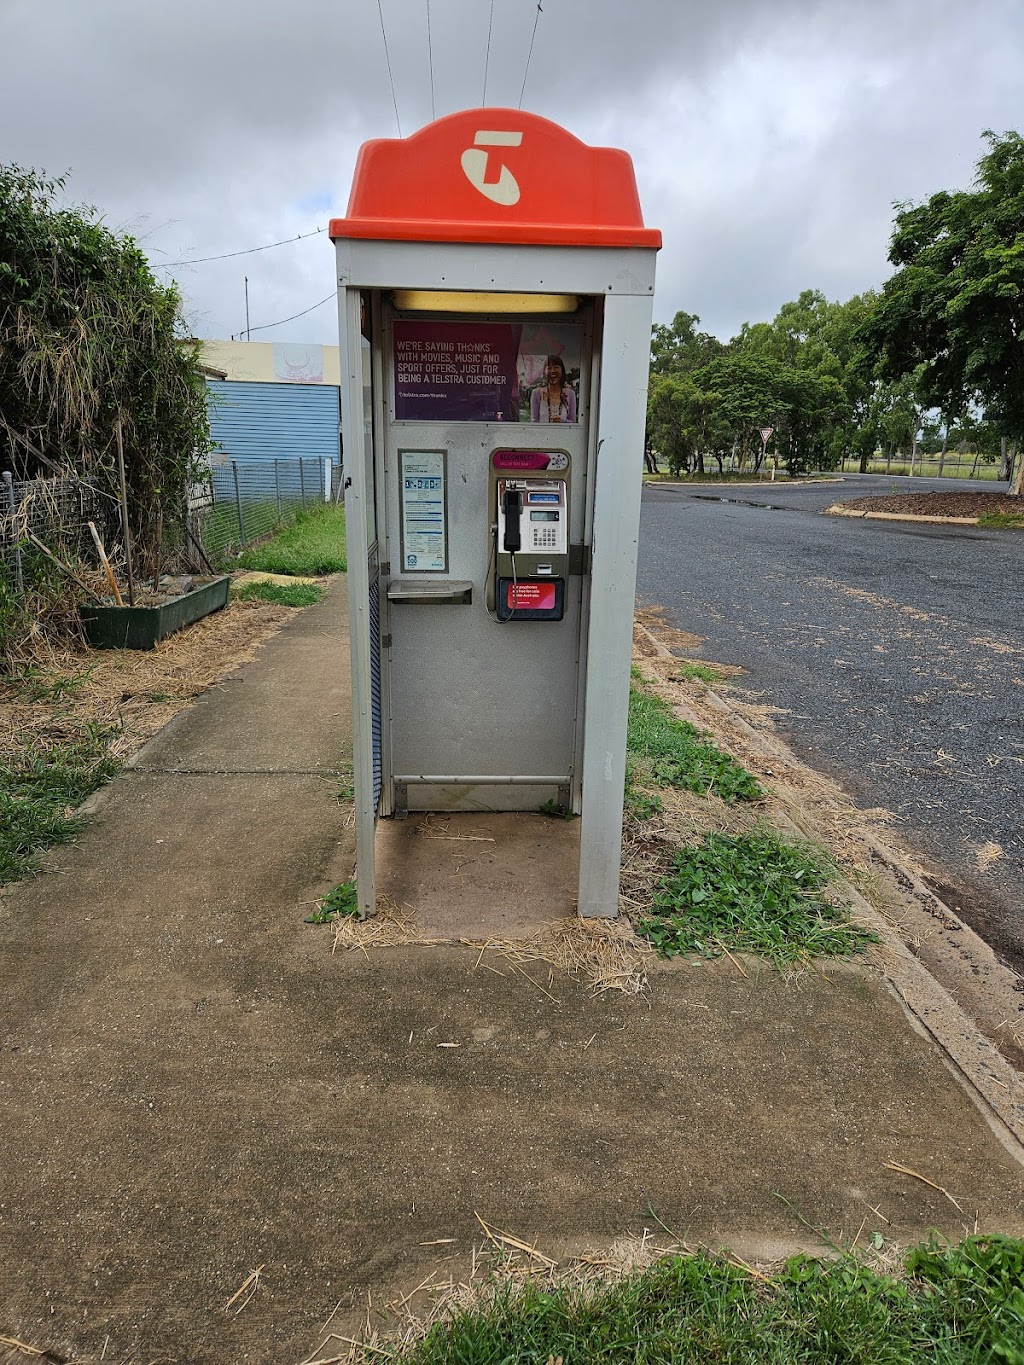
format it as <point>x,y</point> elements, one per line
<point>487,59</point>
<point>430,55</point>
<point>526,73</point>
<point>249,251</point>
<point>267,325</point>
<point>387,58</point>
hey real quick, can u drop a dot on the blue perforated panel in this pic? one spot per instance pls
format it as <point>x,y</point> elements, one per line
<point>375,694</point>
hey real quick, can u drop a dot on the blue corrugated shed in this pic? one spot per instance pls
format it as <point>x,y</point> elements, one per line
<point>268,421</point>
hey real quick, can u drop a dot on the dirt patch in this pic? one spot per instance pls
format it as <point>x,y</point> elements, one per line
<point>680,642</point>
<point>952,504</point>
<point>133,693</point>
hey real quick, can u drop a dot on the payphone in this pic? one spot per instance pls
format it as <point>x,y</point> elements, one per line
<point>494,350</point>
<point>531,536</point>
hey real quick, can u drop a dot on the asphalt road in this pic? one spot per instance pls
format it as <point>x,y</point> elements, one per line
<point>896,651</point>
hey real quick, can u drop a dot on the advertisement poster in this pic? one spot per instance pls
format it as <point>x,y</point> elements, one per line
<point>487,372</point>
<point>424,539</point>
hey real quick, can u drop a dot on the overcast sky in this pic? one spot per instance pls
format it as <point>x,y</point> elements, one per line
<point>770,137</point>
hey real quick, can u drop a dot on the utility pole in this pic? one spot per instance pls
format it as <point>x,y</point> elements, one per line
<point>246,307</point>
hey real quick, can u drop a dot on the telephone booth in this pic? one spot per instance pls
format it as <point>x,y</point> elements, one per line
<point>495,291</point>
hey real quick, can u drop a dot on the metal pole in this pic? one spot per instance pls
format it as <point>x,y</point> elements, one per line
<point>277,486</point>
<point>238,503</point>
<point>302,484</point>
<point>247,336</point>
<point>12,503</point>
<point>124,517</point>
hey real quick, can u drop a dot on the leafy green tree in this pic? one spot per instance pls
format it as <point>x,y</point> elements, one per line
<point>682,416</point>
<point>679,346</point>
<point>88,336</point>
<point>955,305</point>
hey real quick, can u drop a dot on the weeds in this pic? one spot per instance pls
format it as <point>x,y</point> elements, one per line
<point>555,810</point>
<point>313,545</point>
<point>340,902</point>
<point>664,751</point>
<point>346,792</point>
<point>280,594</point>
<point>750,893</point>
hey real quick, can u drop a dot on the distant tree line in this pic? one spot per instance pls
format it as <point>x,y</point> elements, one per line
<point>931,363</point>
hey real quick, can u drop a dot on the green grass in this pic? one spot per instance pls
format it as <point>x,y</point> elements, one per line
<point>1005,520</point>
<point>698,673</point>
<point>750,893</point>
<point>40,789</point>
<point>952,1305</point>
<point>33,685</point>
<point>280,594</point>
<point>664,751</point>
<point>929,469</point>
<point>314,544</point>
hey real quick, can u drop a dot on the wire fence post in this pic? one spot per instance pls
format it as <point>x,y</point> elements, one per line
<point>238,504</point>
<point>302,483</point>
<point>12,504</point>
<point>277,486</point>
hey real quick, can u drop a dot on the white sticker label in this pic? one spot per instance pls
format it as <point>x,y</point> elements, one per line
<point>424,534</point>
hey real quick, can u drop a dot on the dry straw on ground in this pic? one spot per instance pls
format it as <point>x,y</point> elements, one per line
<point>131,693</point>
<point>606,954</point>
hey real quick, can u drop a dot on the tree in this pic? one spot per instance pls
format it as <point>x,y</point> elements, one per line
<point>954,309</point>
<point>87,337</point>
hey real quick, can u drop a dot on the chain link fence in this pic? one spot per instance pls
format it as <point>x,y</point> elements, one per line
<point>238,504</point>
<point>244,501</point>
<point>50,517</point>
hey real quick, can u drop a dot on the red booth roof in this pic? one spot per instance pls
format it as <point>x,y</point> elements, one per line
<point>495,175</point>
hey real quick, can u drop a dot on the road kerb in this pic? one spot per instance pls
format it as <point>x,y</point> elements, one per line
<point>838,510</point>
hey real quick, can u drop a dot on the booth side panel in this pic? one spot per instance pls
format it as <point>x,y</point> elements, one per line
<point>622,408</point>
<point>363,643</point>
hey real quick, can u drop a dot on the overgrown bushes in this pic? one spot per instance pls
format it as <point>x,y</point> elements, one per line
<point>90,338</point>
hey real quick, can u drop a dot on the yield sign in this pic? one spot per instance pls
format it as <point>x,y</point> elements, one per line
<point>765,433</point>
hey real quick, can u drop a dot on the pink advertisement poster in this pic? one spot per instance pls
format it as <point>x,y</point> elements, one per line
<point>486,372</point>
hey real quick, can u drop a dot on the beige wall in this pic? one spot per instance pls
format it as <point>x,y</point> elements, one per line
<point>272,362</point>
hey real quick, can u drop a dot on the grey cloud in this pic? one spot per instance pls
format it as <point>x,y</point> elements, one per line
<point>206,127</point>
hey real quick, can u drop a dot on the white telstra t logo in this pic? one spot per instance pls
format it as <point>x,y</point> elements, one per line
<point>504,190</point>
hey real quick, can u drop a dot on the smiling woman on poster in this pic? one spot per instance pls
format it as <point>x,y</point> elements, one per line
<point>554,400</point>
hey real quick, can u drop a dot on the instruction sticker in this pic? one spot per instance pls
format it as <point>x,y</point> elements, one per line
<point>531,596</point>
<point>424,511</point>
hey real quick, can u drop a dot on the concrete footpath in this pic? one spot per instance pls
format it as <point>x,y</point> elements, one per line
<point>193,1087</point>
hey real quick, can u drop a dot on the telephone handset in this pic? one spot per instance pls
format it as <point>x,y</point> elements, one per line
<point>512,507</point>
